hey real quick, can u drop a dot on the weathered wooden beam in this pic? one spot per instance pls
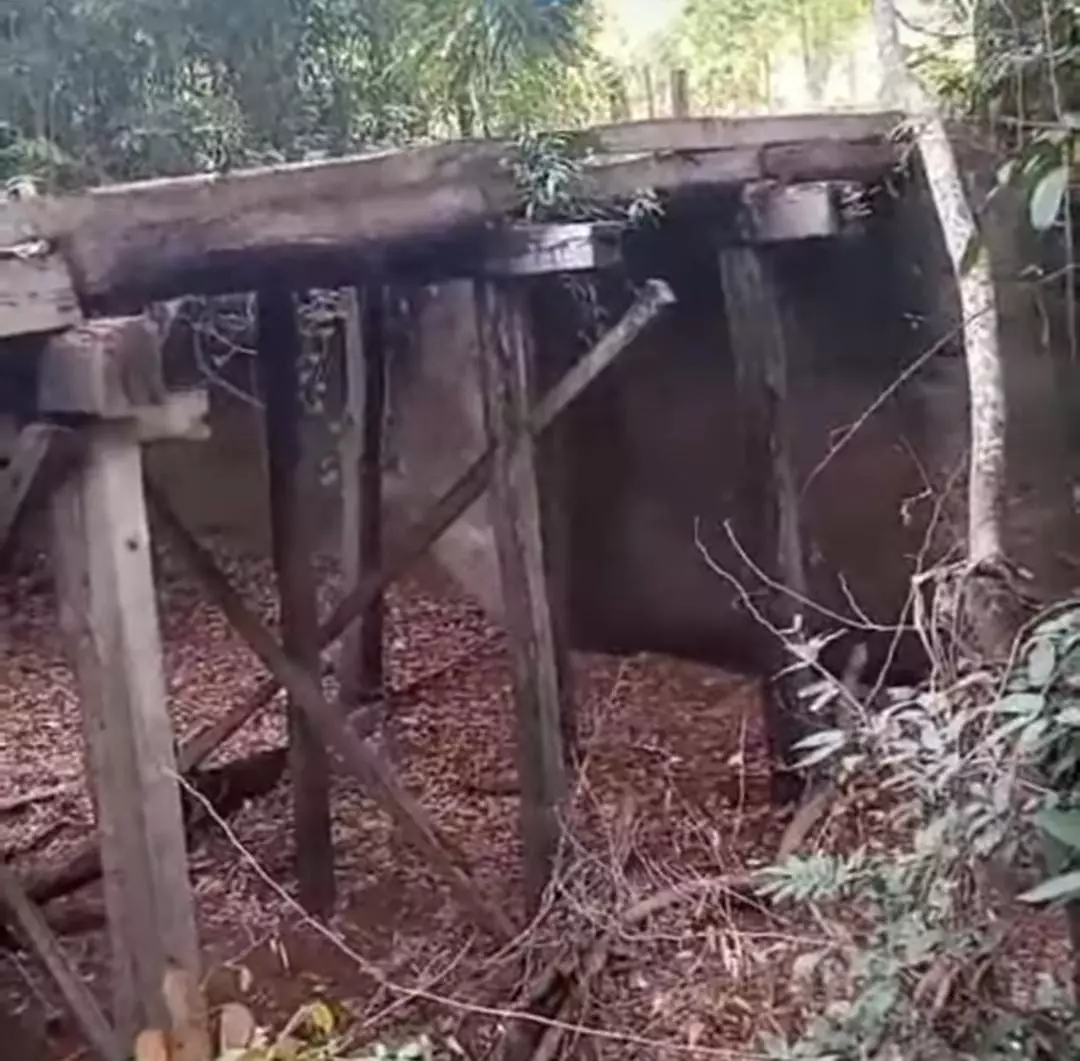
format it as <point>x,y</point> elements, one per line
<point>36,293</point>
<point>824,160</point>
<point>533,250</point>
<point>108,613</point>
<point>82,1005</point>
<point>360,667</point>
<point>779,213</point>
<point>104,368</point>
<point>505,343</point>
<point>279,373</point>
<point>770,534</point>
<point>353,754</point>
<point>162,238</point>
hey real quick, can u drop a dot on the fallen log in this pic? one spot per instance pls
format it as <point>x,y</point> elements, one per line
<point>227,788</point>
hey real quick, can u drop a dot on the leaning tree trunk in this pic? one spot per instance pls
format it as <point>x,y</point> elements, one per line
<point>994,619</point>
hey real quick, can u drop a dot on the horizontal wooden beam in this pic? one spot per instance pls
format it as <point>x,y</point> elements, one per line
<point>103,368</point>
<point>215,233</point>
<point>36,293</point>
<point>537,249</point>
<point>779,213</point>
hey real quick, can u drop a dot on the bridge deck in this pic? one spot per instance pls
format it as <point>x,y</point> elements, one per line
<point>331,220</point>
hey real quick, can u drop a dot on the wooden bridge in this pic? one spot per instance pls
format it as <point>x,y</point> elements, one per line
<point>76,275</point>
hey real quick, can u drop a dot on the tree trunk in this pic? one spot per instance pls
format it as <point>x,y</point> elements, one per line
<point>978,306</point>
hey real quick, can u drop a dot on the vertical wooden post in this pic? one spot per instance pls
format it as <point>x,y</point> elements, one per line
<point>680,94</point>
<point>505,375</point>
<point>360,671</point>
<point>279,369</point>
<point>108,613</point>
<point>768,496</point>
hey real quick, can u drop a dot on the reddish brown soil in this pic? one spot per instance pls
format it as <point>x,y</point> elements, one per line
<point>675,749</point>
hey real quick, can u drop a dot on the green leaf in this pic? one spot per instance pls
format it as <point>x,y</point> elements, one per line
<point>822,736</point>
<point>821,746</point>
<point>1032,735</point>
<point>1029,704</point>
<point>1047,198</point>
<point>1042,661</point>
<point>1062,825</point>
<point>1065,886</point>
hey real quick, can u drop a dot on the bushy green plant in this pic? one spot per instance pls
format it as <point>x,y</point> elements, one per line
<point>979,776</point>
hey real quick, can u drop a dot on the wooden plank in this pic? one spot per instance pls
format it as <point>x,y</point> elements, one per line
<point>109,616</point>
<point>533,250</point>
<point>105,368</point>
<point>505,360</point>
<point>778,213</point>
<point>279,374</point>
<point>80,1002</point>
<point>470,486</point>
<point>360,668</point>
<point>770,534</point>
<point>351,752</point>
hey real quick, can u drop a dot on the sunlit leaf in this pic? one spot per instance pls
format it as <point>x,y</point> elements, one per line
<point>1062,825</point>
<point>1056,889</point>
<point>1047,198</point>
<point>321,1018</point>
<point>1041,662</point>
<point>1029,704</point>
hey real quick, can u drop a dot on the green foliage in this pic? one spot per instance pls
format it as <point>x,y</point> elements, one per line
<point>982,777</point>
<point>551,173</point>
<point>95,90</point>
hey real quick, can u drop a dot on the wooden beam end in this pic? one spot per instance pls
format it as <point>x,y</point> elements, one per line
<point>105,368</point>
